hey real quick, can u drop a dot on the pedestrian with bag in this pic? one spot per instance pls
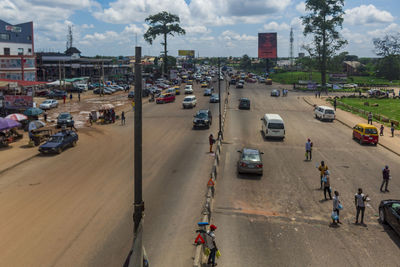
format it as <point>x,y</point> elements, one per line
<point>359,201</point>
<point>334,103</point>
<point>211,140</point>
<point>327,185</point>
<point>322,168</point>
<point>212,245</point>
<point>386,178</point>
<point>309,146</point>
<point>381,130</point>
<point>337,206</point>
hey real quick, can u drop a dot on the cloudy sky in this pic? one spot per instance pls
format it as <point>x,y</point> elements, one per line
<point>213,27</point>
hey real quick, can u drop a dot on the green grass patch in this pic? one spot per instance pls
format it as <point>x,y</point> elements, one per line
<point>387,107</point>
<point>294,77</point>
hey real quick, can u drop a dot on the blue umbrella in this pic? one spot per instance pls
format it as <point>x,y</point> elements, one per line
<point>33,112</point>
<point>6,124</point>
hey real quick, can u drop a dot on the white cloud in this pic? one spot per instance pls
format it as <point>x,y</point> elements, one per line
<point>196,29</point>
<point>133,29</point>
<point>233,36</point>
<point>393,28</point>
<point>301,8</point>
<point>274,26</point>
<point>86,26</point>
<point>367,15</point>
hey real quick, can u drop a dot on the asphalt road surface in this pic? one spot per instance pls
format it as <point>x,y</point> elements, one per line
<point>281,218</point>
<point>75,209</point>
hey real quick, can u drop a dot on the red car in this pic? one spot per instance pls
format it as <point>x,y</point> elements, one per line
<point>165,98</point>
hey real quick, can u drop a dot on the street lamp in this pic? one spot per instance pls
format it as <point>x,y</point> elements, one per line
<point>219,97</point>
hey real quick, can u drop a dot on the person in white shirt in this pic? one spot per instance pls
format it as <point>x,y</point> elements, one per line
<point>359,201</point>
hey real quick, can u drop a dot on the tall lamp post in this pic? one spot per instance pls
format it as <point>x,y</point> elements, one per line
<point>219,97</point>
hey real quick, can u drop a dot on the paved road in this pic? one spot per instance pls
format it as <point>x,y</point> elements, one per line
<point>75,209</point>
<point>281,218</point>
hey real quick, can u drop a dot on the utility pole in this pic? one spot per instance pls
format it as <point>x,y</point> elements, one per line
<point>59,73</point>
<point>291,47</point>
<point>139,204</point>
<point>219,102</point>
<point>102,79</point>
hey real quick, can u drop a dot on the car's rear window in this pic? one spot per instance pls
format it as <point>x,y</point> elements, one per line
<point>251,157</point>
<point>274,125</point>
<point>371,131</point>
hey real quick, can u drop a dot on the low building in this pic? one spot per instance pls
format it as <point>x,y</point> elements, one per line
<point>17,57</point>
<point>351,67</point>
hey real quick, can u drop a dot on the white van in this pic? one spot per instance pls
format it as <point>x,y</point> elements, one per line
<point>324,113</point>
<point>189,101</point>
<point>273,126</point>
<point>82,86</point>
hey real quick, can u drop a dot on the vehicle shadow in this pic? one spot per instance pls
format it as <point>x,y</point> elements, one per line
<point>391,233</point>
<point>274,140</point>
<point>3,148</point>
<point>248,176</point>
<point>26,146</point>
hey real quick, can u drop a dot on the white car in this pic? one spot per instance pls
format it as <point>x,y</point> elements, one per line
<point>324,113</point>
<point>189,101</point>
<point>48,104</point>
<point>188,89</point>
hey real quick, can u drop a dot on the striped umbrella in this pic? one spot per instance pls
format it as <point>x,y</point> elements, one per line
<point>17,117</point>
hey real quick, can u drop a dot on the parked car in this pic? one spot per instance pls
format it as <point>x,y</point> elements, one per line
<point>188,89</point>
<point>204,84</point>
<point>56,94</point>
<point>106,91</point>
<point>171,91</point>
<point>214,98</point>
<point>207,92</point>
<point>165,98</point>
<point>59,141</point>
<point>232,81</point>
<point>42,93</point>
<point>244,103</point>
<point>324,113</point>
<point>366,134</point>
<point>250,161</point>
<point>389,212</point>
<point>49,104</point>
<point>261,80</point>
<point>189,101</point>
<point>276,93</point>
<point>65,118</point>
<point>202,118</point>
<point>131,94</point>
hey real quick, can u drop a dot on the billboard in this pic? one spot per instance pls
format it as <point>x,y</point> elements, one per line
<point>18,101</point>
<point>267,45</point>
<point>186,53</point>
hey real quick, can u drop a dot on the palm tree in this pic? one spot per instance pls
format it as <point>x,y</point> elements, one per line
<point>165,24</point>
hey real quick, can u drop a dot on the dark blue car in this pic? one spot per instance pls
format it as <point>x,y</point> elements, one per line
<point>59,141</point>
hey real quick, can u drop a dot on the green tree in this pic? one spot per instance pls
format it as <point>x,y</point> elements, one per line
<point>245,62</point>
<point>163,24</point>
<point>388,47</point>
<point>322,22</point>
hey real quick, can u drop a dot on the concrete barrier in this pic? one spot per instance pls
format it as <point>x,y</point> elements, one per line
<point>199,256</point>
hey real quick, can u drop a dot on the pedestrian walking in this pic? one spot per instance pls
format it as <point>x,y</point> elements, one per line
<point>386,178</point>
<point>316,94</point>
<point>370,118</point>
<point>309,146</point>
<point>70,97</point>
<point>113,116</point>
<point>64,97</point>
<point>327,185</point>
<point>212,245</point>
<point>211,140</point>
<point>334,103</point>
<point>79,96</point>
<point>337,206</point>
<point>359,201</point>
<point>123,118</point>
<point>319,94</point>
<point>133,105</point>
<point>381,130</point>
<point>322,168</point>
<point>45,116</point>
<point>90,119</point>
<point>392,128</point>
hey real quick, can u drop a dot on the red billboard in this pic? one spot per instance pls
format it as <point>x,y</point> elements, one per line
<point>18,101</point>
<point>267,45</point>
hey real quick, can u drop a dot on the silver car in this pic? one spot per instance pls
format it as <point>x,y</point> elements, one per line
<point>250,161</point>
<point>48,104</point>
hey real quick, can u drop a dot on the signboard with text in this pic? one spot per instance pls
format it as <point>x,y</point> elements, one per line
<point>13,28</point>
<point>18,101</point>
<point>187,53</point>
<point>267,45</point>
